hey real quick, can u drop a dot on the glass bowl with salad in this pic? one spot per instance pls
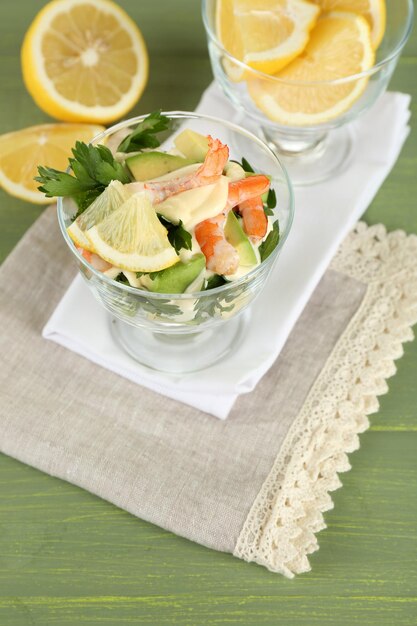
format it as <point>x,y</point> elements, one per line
<point>175,220</point>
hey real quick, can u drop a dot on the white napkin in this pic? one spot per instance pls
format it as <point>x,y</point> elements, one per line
<point>324,215</point>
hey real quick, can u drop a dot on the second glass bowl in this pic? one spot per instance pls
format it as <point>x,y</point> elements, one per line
<point>311,151</point>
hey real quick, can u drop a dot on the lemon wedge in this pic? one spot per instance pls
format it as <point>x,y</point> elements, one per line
<point>133,238</point>
<point>339,46</point>
<point>84,60</point>
<point>374,11</point>
<point>265,35</point>
<point>22,151</point>
<point>110,200</point>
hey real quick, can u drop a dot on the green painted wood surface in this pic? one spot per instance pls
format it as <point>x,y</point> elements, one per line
<point>68,558</point>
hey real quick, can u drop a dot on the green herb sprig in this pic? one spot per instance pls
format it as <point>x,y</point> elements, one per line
<point>270,242</point>
<point>94,167</point>
<point>247,166</point>
<point>178,237</point>
<point>144,135</point>
<point>271,202</point>
<point>215,281</point>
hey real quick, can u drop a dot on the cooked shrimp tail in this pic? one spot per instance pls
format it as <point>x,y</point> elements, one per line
<point>207,173</point>
<point>255,222</point>
<point>246,188</point>
<point>221,256</point>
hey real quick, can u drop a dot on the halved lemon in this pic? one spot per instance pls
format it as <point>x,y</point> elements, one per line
<point>267,34</point>
<point>84,60</point>
<point>110,200</point>
<point>50,144</point>
<point>340,46</point>
<point>373,10</point>
<point>133,238</point>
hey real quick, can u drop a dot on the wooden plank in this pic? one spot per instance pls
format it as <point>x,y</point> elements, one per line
<point>68,558</point>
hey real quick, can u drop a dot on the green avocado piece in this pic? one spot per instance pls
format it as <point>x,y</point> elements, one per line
<point>192,145</point>
<point>238,238</point>
<point>150,165</point>
<point>177,278</point>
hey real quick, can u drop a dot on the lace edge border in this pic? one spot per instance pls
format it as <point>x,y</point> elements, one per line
<point>280,529</point>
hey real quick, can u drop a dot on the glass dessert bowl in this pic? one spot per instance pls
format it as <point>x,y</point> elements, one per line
<point>183,332</point>
<point>307,121</point>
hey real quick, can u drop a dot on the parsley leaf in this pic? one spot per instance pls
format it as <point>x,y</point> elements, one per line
<point>144,135</point>
<point>214,306</point>
<point>210,307</point>
<point>271,200</point>
<point>94,167</point>
<point>247,166</point>
<point>178,237</point>
<point>270,242</point>
<point>268,212</point>
<point>161,308</point>
<point>121,278</point>
<point>215,281</point>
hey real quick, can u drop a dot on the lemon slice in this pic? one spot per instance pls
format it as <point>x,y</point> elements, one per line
<point>339,46</point>
<point>265,35</point>
<point>373,10</point>
<point>22,151</point>
<point>84,60</point>
<point>78,237</point>
<point>133,238</point>
<point>111,199</point>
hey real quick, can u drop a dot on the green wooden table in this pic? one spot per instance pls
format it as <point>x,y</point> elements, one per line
<point>68,558</point>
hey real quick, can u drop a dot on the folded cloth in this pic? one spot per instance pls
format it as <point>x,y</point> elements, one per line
<point>324,215</point>
<point>254,485</point>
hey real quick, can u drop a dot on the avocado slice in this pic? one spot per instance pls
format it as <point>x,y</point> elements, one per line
<point>192,145</point>
<point>177,278</point>
<point>234,171</point>
<point>150,165</point>
<point>238,238</point>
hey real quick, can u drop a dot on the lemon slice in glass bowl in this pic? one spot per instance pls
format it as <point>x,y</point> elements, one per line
<point>309,90</point>
<point>374,11</point>
<point>110,200</point>
<point>133,238</point>
<point>265,35</point>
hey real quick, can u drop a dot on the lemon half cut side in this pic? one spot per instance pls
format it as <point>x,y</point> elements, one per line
<point>23,150</point>
<point>84,60</point>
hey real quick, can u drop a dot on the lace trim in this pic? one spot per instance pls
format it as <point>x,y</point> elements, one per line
<point>279,531</point>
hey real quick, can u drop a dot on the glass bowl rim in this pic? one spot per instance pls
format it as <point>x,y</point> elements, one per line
<point>195,294</point>
<point>337,81</point>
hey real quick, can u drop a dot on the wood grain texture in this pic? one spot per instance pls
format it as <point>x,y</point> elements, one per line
<point>69,558</point>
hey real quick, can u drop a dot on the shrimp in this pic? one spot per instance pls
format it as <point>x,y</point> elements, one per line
<point>221,256</point>
<point>207,173</point>
<point>96,261</point>
<point>255,222</point>
<point>246,188</point>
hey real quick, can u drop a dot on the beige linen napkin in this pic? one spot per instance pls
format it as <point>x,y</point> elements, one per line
<point>254,485</point>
